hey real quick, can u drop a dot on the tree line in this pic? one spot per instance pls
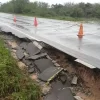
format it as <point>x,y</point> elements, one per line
<point>80,10</point>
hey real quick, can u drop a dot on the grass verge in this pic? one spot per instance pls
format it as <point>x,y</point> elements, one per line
<point>14,85</point>
<point>66,18</point>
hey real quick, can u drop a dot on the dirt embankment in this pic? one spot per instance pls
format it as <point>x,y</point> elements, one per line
<point>88,83</point>
<point>88,86</point>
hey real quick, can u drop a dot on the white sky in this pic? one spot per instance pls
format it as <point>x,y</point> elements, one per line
<point>61,1</point>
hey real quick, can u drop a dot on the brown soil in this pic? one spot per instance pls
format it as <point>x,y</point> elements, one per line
<point>91,80</point>
<point>88,87</point>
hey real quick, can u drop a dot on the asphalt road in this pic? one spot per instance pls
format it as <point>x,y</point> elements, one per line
<point>59,34</point>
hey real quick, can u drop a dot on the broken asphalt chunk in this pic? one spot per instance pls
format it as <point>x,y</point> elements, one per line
<point>27,62</point>
<point>63,78</point>
<point>59,92</point>
<point>23,45</point>
<point>32,49</point>
<point>50,73</point>
<point>43,64</point>
<point>57,85</point>
<point>35,57</point>
<point>37,44</point>
<point>74,80</point>
<point>65,94</point>
<point>20,53</point>
<point>31,70</point>
<point>50,96</point>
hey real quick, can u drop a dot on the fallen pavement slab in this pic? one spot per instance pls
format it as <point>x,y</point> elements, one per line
<point>60,94</point>
<point>35,57</point>
<point>57,85</point>
<point>31,70</point>
<point>63,78</point>
<point>74,80</point>
<point>51,97</point>
<point>37,44</point>
<point>23,45</point>
<point>49,74</point>
<point>20,54</point>
<point>65,94</point>
<point>32,49</point>
<point>43,64</point>
<point>27,62</point>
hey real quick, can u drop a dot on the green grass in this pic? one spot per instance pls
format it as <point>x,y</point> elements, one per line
<point>14,85</point>
<point>66,18</point>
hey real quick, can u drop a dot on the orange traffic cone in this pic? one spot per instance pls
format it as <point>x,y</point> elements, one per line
<point>80,34</point>
<point>14,19</point>
<point>35,22</point>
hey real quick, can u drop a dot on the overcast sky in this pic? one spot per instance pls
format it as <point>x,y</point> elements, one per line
<point>61,1</point>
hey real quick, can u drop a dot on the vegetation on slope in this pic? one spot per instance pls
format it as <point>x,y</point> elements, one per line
<point>14,85</point>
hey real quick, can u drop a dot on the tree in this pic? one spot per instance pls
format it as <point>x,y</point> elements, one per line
<point>7,7</point>
<point>19,5</point>
<point>77,12</point>
<point>55,10</point>
<point>96,11</point>
<point>88,10</point>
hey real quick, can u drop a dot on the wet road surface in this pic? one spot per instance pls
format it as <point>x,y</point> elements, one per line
<point>59,34</point>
